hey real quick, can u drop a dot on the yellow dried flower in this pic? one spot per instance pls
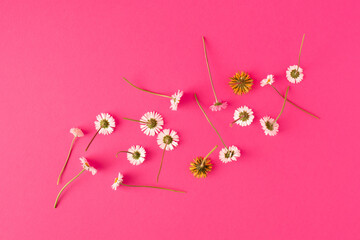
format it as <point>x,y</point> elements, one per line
<point>200,168</point>
<point>241,83</point>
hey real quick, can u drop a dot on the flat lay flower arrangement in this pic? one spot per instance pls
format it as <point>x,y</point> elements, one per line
<point>152,125</point>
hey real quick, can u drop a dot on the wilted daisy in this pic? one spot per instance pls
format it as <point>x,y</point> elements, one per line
<point>150,123</point>
<point>241,83</point>
<point>77,133</point>
<point>229,154</point>
<point>119,181</point>
<point>86,167</point>
<point>270,83</point>
<point>218,105</point>
<point>104,124</point>
<point>201,166</point>
<point>268,124</point>
<point>243,116</point>
<point>174,99</point>
<point>135,154</point>
<point>295,73</point>
<point>167,140</point>
<point>269,80</point>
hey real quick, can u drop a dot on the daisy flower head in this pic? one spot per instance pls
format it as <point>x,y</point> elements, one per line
<point>86,166</point>
<point>136,155</point>
<point>294,74</point>
<point>218,106</point>
<point>168,139</point>
<point>118,181</point>
<point>105,123</point>
<point>151,123</point>
<point>229,154</point>
<point>269,80</point>
<point>76,132</point>
<point>241,83</point>
<point>200,167</point>
<point>175,100</point>
<point>243,116</point>
<point>270,128</point>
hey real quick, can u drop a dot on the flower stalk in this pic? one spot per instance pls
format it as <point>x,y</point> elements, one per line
<point>97,132</point>
<point>282,109</point>
<point>162,159</point>
<point>302,42</point>
<point>154,93</point>
<point>67,159</point>
<point>212,150</point>
<point>208,67</point>
<point>168,189</point>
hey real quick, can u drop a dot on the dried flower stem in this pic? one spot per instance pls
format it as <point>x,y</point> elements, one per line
<point>154,93</point>
<point>152,187</point>
<point>240,117</point>
<point>294,104</point>
<point>130,119</point>
<point>212,150</point>
<point>57,199</point>
<point>282,109</point>
<point>209,120</point>
<point>162,159</point>
<point>67,159</point>
<point>302,42</point>
<point>123,152</point>
<point>208,67</point>
<point>92,139</point>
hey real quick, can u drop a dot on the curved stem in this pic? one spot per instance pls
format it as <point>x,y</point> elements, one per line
<point>232,123</point>
<point>282,109</point>
<point>208,67</point>
<point>130,119</point>
<point>127,185</point>
<point>57,199</point>
<point>295,104</point>
<point>212,150</point>
<point>67,159</point>
<point>162,159</point>
<point>209,120</point>
<point>157,94</point>
<point>122,152</point>
<point>92,139</point>
<point>302,42</point>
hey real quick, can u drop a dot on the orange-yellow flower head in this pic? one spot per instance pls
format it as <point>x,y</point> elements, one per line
<point>241,83</point>
<point>200,168</point>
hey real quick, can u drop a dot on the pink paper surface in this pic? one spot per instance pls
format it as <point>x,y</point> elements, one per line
<point>61,64</point>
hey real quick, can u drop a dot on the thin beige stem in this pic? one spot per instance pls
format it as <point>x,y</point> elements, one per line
<point>162,159</point>
<point>168,189</point>
<point>302,42</point>
<point>57,198</point>
<point>67,159</point>
<point>208,67</point>
<point>282,109</point>
<point>209,120</point>
<point>122,152</point>
<point>154,93</point>
<point>295,104</point>
<point>130,119</point>
<point>92,139</point>
<point>212,150</point>
<point>232,123</point>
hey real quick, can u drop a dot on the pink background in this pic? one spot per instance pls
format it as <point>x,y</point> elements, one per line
<point>61,64</point>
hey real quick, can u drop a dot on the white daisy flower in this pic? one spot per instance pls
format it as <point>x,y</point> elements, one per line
<point>76,132</point>
<point>168,138</point>
<point>268,80</point>
<point>118,181</point>
<point>294,74</point>
<point>218,106</point>
<point>175,100</point>
<point>86,166</point>
<point>105,123</point>
<point>136,155</point>
<point>243,116</point>
<point>270,128</point>
<point>151,123</point>
<point>229,154</point>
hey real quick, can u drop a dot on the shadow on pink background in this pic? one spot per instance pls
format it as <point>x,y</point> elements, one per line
<point>61,64</point>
